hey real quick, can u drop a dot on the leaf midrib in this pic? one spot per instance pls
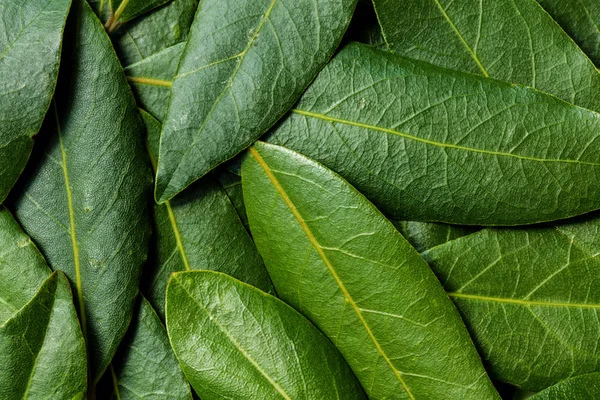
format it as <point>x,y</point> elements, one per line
<point>521,302</point>
<point>329,265</point>
<point>433,142</point>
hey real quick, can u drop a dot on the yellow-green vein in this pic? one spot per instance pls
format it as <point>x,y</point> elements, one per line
<point>115,382</point>
<point>113,21</point>
<point>329,265</point>
<point>521,302</point>
<point>149,81</point>
<point>432,142</point>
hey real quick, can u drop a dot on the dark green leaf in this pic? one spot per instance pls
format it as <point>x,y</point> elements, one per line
<point>126,10</point>
<point>236,342</point>
<point>530,297</point>
<point>245,64</point>
<point>581,20</point>
<point>30,43</point>
<point>232,183</point>
<point>346,267</point>
<point>42,352</point>
<point>582,387</point>
<point>145,366</point>
<point>428,143</point>
<point>200,229</point>
<point>83,198</point>
<point>425,235</point>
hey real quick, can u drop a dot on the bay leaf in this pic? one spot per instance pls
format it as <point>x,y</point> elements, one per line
<point>345,267</point>
<point>580,19</point>
<point>199,229</point>
<point>425,235</point>
<point>145,366</point>
<point>42,351</point>
<point>232,184</point>
<point>30,44</point>
<point>83,198</point>
<point>433,144</point>
<point>235,341</point>
<point>579,387</point>
<point>529,297</point>
<point>245,64</point>
<point>126,10</point>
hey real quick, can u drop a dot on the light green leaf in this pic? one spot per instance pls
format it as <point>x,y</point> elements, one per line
<point>581,20</point>
<point>433,144</point>
<point>235,342</point>
<point>245,64</point>
<point>425,235</point>
<point>530,297</point>
<point>578,388</point>
<point>145,366</point>
<point>30,44</point>
<point>126,10</point>
<point>199,229</point>
<point>42,352</point>
<point>346,267</point>
<point>84,197</point>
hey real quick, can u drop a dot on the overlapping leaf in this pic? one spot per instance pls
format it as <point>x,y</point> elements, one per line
<point>425,235</point>
<point>345,267</point>
<point>428,143</point>
<point>245,64</point>
<point>216,322</point>
<point>530,297</point>
<point>200,229</point>
<point>580,387</point>
<point>30,43</point>
<point>126,10</point>
<point>83,199</point>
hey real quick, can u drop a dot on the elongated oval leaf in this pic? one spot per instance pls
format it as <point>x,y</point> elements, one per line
<point>234,341</point>
<point>580,19</point>
<point>200,229</point>
<point>30,43</point>
<point>245,64</point>
<point>345,267</point>
<point>530,297</point>
<point>145,366</point>
<point>428,143</point>
<point>126,10</point>
<point>42,352</point>
<point>84,197</point>
<point>580,387</point>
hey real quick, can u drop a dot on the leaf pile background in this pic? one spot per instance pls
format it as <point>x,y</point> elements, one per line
<point>333,199</point>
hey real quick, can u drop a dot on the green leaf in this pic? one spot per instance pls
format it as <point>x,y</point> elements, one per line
<point>580,387</point>
<point>232,184</point>
<point>580,19</point>
<point>512,40</point>
<point>428,143</point>
<point>30,43</point>
<point>364,27</point>
<point>126,10</point>
<point>234,341</point>
<point>84,197</point>
<point>530,297</point>
<point>346,267</point>
<point>145,366</point>
<point>425,235</point>
<point>42,352</point>
<point>199,229</point>
<point>245,64</point>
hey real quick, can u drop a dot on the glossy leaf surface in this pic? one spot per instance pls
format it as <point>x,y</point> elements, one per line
<point>245,64</point>
<point>344,265</point>
<point>447,146</point>
<point>30,43</point>
<point>145,366</point>
<point>580,19</point>
<point>216,322</point>
<point>580,387</point>
<point>83,198</point>
<point>42,352</point>
<point>425,235</point>
<point>530,298</point>
<point>199,229</point>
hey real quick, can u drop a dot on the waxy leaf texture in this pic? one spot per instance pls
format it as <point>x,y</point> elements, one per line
<point>579,387</point>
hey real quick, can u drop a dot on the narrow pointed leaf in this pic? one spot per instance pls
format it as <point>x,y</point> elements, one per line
<point>530,298</point>
<point>30,43</point>
<point>83,199</point>
<point>42,352</point>
<point>580,19</point>
<point>245,64</point>
<point>427,143</point>
<point>200,229</point>
<point>235,341</point>
<point>580,387</point>
<point>425,235</point>
<point>346,267</point>
<point>145,366</point>
<point>126,10</point>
